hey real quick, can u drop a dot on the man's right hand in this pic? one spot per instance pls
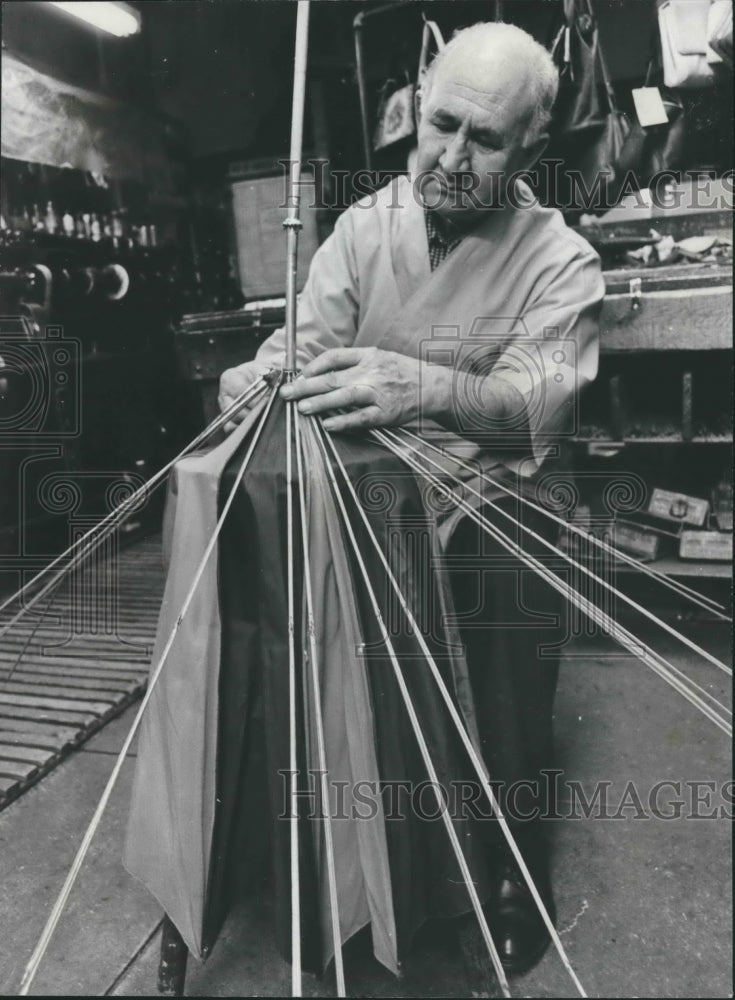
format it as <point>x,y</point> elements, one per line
<point>233,382</point>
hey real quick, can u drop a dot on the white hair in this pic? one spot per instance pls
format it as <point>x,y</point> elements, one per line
<point>543,74</point>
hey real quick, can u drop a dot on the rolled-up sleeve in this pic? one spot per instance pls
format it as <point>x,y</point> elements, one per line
<point>328,306</point>
<point>553,350</point>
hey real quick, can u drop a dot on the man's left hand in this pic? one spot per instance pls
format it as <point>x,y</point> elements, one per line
<point>379,388</point>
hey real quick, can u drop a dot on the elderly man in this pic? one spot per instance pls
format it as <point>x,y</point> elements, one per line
<point>454,302</point>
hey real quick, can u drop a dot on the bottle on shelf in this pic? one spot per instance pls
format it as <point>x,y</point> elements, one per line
<point>51,222</point>
<point>116,229</point>
<point>67,224</point>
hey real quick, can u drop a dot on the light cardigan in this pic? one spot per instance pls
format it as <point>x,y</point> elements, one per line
<point>522,292</point>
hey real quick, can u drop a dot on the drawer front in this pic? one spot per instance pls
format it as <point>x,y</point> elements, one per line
<point>684,319</point>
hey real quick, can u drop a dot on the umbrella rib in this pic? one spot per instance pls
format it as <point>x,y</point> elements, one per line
<point>414,720</point>
<point>29,639</point>
<point>92,539</point>
<point>61,900</point>
<point>476,759</point>
<point>625,638</point>
<point>318,718</point>
<point>577,565</point>
<point>682,589</point>
<point>296,978</point>
<point>588,572</point>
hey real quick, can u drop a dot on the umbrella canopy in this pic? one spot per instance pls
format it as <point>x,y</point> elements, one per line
<point>193,813</point>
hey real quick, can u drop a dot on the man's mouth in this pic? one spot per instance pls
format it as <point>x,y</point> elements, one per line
<point>448,189</point>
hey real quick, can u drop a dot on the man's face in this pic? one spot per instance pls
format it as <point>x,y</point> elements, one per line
<point>472,126</point>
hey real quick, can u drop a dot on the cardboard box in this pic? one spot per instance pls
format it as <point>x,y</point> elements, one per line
<point>706,546</point>
<point>636,541</point>
<point>678,508</point>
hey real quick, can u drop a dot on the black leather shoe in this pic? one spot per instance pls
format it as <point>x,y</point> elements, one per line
<point>517,927</point>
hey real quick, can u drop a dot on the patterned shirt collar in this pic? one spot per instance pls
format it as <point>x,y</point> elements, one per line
<point>440,245</point>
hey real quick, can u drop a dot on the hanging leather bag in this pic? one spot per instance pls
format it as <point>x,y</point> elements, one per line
<point>395,118</point>
<point>650,150</point>
<point>396,110</point>
<point>589,130</point>
<point>600,158</point>
<point>580,106</point>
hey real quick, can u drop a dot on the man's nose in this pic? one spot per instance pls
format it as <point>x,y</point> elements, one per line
<point>455,158</point>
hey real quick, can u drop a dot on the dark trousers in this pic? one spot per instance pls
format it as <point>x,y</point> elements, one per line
<point>513,690</point>
<point>509,621</point>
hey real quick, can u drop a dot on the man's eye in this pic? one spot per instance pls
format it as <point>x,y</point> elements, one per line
<point>443,127</point>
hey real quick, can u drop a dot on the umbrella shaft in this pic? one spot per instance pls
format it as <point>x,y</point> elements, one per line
<point>293,223</point>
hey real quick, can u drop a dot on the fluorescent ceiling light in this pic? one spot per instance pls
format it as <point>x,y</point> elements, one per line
<point>116,17</point>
